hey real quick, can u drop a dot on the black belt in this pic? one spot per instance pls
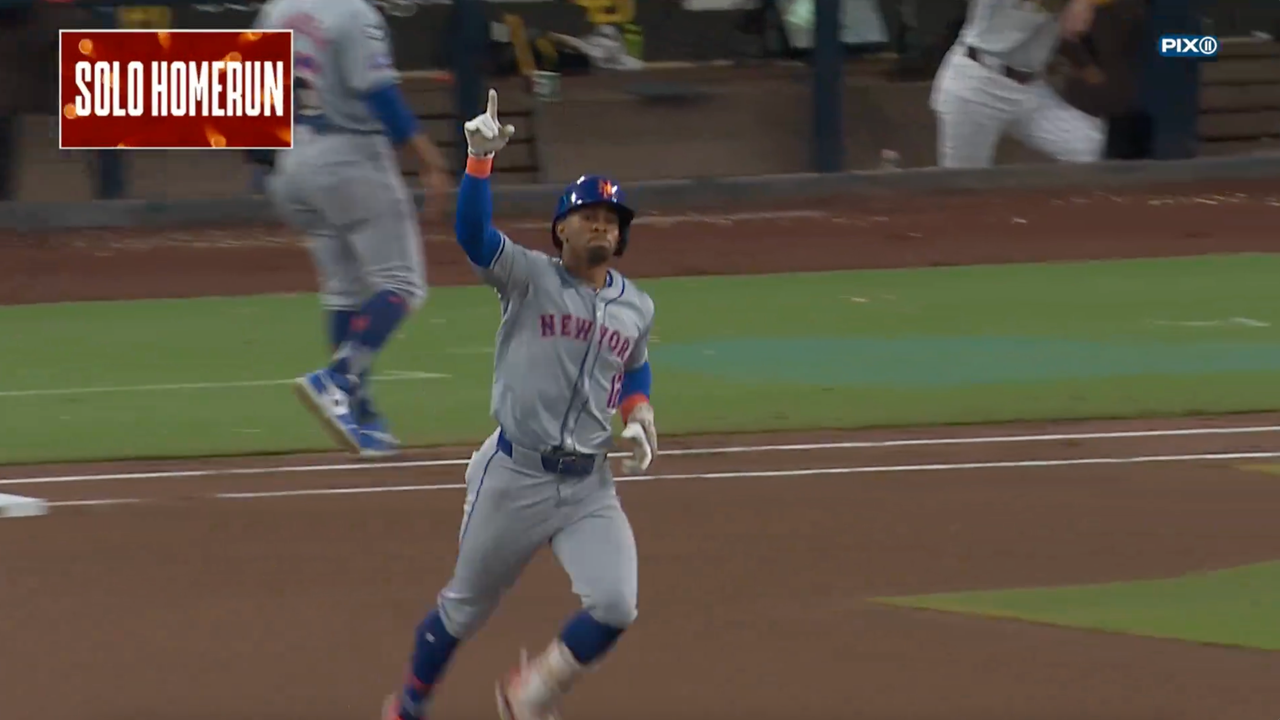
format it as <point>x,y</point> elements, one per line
<point>1019,76</point>
<point>559,462</point>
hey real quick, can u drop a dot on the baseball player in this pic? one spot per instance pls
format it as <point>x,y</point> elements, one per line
<point>571,350</point>
<point>992,81</point>
<point>342,186</point>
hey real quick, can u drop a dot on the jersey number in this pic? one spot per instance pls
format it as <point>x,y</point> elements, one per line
<point>615,391</point>
<point>306,97</point>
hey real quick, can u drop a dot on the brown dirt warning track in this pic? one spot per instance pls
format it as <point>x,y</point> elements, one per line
<point>287,588</point>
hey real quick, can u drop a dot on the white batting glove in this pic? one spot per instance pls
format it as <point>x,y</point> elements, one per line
<point>643,434</point>
<point>485,136</point>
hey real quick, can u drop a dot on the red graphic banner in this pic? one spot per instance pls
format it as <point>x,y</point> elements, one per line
<point>171,89</point>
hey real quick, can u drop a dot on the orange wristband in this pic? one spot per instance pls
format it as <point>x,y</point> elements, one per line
<point>479,166</point>
<point>630,404</point>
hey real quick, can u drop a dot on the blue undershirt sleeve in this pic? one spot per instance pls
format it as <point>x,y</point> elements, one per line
<point>637,381</point>
<point>472,224</point>
<point>388,105</point>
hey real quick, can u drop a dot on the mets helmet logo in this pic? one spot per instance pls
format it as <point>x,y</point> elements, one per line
<point>594,190</point>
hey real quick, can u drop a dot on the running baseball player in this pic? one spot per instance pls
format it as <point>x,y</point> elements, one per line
<point>342,186</point>
<point>992,80</point>
<point>571,350</point>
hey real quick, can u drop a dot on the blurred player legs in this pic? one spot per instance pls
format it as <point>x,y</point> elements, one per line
<point>345,193</point>
<point>1065,133</point>
<point>976,104</point>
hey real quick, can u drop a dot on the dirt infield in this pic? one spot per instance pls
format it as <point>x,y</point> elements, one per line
<point>753,589</point>
<point>161,596</point>
<point>892,231</point>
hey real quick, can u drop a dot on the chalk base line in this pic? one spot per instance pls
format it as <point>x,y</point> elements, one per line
<point>370,466</point>
<point>728,475</point>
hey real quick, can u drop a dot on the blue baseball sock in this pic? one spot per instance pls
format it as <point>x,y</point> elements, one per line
<point>587,638</point>
<point>432,648</point>
<point>370,330</point>
<point>340,326</point>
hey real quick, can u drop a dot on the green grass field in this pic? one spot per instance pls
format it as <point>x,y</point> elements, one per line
<point>840,349</point>
<point>1236,607</point>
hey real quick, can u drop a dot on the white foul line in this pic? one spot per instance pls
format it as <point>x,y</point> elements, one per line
<point>105,501</point>
<point>808,472</point>
<point>162,474</point>
<point>852,444</point>
<point>386,377</point>
<point>843,445</point>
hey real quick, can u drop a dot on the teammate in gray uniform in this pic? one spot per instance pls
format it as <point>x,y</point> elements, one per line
<point>571,350</point>
<point>342,186</point>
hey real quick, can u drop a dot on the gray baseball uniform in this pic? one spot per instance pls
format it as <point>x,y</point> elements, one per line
<point>341,183</point>
<point>561,351</point>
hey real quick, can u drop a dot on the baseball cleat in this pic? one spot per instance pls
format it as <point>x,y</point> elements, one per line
<point>323,393</point>
<point>376,441</point>
<point>511,704</point>
<point>390,708</point>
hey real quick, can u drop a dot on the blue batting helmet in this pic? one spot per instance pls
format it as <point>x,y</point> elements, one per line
<point>594,190</point>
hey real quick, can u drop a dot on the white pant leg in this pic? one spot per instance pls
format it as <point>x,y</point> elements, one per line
<point>1053,126</point>
<point>973,105</point>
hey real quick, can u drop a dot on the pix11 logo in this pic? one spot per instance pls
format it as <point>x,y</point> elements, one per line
<point>1188,46</point>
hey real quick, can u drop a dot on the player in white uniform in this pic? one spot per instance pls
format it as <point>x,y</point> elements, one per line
<point>992,81</point>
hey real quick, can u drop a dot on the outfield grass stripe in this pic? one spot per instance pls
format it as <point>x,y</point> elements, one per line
<point>763,353</point>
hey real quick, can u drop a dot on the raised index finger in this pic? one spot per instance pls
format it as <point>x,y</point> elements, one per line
<point>493,104</point>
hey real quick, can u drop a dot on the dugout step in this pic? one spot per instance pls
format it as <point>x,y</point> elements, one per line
<point>1240,98</point>
<point>1239,125</point>
<point>1227,148</point>
<point>1231,48</point>
<point>1247,70</point>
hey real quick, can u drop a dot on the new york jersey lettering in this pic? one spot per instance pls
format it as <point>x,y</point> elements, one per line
<point>580,329</point>
<point>562,349</point>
